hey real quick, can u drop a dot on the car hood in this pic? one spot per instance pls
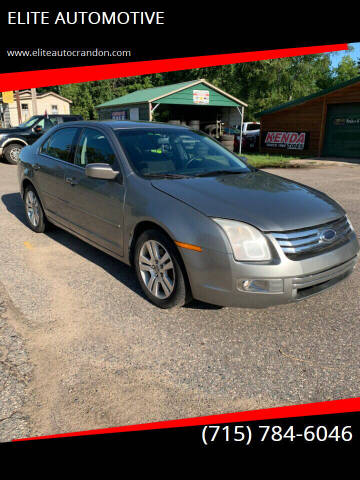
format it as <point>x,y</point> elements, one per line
<point>269,202</point>
<point>11,130</point>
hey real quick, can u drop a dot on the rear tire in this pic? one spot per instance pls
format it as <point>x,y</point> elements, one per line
<point>160,271</point>
<point>11,153</point>
<point>35,216</point>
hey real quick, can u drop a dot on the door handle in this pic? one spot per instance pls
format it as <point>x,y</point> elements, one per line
<point>71,180</point>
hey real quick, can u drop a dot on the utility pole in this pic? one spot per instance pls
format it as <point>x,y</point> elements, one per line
<point>34,101</point>
<point>18,105</point>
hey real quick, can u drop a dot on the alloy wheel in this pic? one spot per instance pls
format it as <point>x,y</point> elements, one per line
<point>14,154</point>
<point>157,269</point>
<point>32,208</point>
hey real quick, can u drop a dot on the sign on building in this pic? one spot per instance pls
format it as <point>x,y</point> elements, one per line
<point>286,140</point>
<point>8,97</point>
<point>119,115</point>
<point>340,122</point>
<point>201,97</point>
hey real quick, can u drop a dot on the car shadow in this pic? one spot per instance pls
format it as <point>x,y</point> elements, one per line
<point>120,271</point>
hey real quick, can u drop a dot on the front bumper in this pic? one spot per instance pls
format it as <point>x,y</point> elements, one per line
<point>215,276</point>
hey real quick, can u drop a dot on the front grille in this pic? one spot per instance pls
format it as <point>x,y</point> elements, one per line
<point>297,244</point>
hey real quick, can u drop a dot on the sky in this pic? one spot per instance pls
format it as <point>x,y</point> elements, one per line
<point>337,56</point>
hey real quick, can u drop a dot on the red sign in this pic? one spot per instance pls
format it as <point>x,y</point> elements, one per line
<point>290,140</point>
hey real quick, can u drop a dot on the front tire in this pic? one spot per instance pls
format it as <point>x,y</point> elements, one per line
<point>12,152</point>
<point>35,215</point>
<point>160,271</point>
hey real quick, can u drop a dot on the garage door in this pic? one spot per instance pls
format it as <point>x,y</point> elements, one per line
<point>342,134</point>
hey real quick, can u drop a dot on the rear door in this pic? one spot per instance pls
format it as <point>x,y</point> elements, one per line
<point>49,171</point>
<point>95,207</point>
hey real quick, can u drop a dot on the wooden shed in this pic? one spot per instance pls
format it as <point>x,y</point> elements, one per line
<point>193,100</point>
<point>326,123</point>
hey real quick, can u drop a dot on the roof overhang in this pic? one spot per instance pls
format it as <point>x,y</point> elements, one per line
<point>196,82</point>
<point>156,99</point>
<point>26,95</point>
<point>308,98</point>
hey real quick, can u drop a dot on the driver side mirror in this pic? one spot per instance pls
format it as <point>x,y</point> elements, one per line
<point>38,129</point>
<point>100,170</point>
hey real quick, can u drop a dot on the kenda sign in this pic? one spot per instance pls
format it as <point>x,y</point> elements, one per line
<point>290,140</point>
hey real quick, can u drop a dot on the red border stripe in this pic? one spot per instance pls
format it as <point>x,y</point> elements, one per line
<point>61,76</point>
<point>304,410</point>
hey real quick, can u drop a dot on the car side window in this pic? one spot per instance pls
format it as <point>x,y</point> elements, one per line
<point>59,144</point>
<point>44,146</point>
<point>93,147</point>
<point>45,124</point>
<point>55,120</point>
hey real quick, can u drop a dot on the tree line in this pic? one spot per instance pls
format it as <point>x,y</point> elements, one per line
<point>261,84</point>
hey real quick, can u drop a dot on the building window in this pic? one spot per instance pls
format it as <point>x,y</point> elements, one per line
<point>54,109</point>
<point>25,111</point>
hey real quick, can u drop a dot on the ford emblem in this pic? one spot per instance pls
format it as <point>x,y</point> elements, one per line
<point>328,235</point>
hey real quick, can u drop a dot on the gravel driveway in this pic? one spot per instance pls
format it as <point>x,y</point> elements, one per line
<point>81,348</point>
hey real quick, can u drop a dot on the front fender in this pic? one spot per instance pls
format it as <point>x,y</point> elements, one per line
<point>181,222</point>
<point>8,141</point>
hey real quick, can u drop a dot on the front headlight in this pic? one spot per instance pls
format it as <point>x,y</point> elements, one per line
<point>349,222</point>
<point>247,242</point>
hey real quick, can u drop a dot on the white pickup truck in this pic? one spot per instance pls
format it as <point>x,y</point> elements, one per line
<point>249,127</point>
<point>250,135</point>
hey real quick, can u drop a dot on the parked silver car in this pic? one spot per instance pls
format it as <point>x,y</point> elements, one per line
<point>193,219</point>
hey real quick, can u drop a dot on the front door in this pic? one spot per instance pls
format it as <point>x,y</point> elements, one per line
<point>95,207</point>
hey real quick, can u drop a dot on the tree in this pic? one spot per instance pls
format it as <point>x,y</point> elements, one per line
<point>346,70</point>
<point>261,85</point>
<point>265,83</point>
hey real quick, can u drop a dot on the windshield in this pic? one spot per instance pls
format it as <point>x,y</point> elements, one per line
<point>29,123</point>
<point>176,152</point>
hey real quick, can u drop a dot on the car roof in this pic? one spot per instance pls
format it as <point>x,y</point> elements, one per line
<point>125,124</point>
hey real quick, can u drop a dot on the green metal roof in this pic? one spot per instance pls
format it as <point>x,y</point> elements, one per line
<point>143,96</point>
<point>177,93</point>
<point>298,101</point>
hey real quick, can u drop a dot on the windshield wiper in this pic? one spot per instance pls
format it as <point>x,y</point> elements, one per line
<point>165,175</point>
<point>219,172</point>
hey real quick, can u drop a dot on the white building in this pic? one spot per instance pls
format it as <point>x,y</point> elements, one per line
<point>49,102</point>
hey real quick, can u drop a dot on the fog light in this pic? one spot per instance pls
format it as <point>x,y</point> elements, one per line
<point>274,285</point>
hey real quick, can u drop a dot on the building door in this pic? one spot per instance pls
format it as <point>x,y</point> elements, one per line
<point>134,114</point>
<point>342,134</point>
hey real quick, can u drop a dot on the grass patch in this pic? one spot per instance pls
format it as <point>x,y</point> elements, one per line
<point>259,160</point>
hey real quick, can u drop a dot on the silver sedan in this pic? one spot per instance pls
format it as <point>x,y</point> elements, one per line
<point>192,218</point>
